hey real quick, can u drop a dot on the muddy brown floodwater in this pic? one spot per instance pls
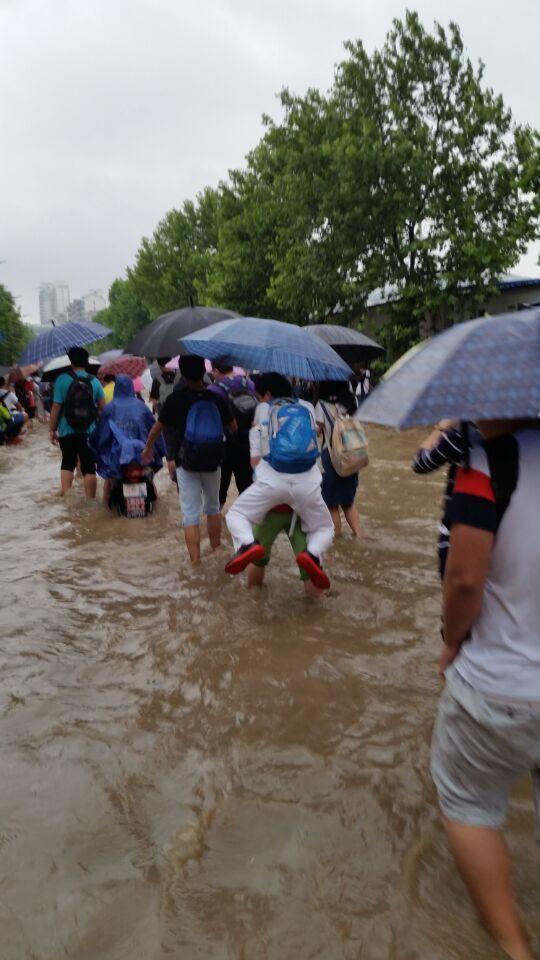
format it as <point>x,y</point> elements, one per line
<point>193,771</point>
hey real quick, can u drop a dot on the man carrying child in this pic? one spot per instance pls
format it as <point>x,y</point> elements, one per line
<point>284,451</point>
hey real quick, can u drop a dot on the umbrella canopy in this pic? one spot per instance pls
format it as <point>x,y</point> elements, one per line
<point>258,344</point>
<point>160,338</point>
<point>109,355</point>
<point>61,364</point>
<point>486,369</point>
<point>54,342</point>
<point>125,363</point>
<point>351,345</point>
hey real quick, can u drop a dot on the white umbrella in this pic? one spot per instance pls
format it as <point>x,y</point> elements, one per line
<point>60,364</point>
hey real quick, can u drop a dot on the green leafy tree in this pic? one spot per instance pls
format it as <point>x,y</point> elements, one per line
<point>240,271</point>
<point>125,314</point>
<point>15,334</point>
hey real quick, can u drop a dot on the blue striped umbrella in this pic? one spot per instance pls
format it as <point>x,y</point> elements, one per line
<point>60,339</point>
<point>486,369</point>
<point>268,345</point>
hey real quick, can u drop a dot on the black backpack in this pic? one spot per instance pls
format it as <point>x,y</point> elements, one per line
<point>79,407</point>
<point>242,401</point>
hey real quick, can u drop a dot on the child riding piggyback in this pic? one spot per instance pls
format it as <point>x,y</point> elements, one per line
<point>284,452</point>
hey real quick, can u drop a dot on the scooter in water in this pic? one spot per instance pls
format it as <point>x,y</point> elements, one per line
<point>133,494</point>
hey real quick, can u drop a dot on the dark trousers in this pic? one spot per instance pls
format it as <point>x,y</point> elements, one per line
<point>235,462</point>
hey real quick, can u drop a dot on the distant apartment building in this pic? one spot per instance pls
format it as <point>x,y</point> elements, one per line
<point>55,305</point>
<point>47,303</point>
<point>94,301</point>
<point>62,300</point>
<point>76,311</point>
<point>53,302</point>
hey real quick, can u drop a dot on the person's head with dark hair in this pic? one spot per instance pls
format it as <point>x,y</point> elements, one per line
<point>338,391</point>
<point>163,361</point>
<point>192,369</point>
<point>221,368</point>
<point>273,386</point>
<point>109,378</point>
<point>78,357</point>
<point>2,381</point>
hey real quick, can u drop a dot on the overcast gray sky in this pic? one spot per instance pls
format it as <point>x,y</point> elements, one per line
<point>114,111</point>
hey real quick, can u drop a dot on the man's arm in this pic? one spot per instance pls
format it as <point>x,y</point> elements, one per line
<point>463,586</point>
<point>156,431</point>
<point>56,410</point>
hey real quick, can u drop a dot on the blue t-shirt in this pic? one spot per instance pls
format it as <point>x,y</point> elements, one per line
<point>61,387</point>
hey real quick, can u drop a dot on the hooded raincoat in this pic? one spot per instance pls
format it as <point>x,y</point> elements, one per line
<point>121,432</point>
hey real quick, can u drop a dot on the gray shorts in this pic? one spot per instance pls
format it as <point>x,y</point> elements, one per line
<point>480,748</point>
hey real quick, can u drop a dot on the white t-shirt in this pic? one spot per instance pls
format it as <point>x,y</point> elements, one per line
<point>321,417</point>
<point>502,658</point>
<point>258,435</point>
<point>10,400</point>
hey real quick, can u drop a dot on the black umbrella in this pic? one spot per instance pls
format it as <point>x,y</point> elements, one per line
<point>352,346</point>
<point>160,338</point>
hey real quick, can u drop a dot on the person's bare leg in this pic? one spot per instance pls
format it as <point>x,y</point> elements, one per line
<point>334,513</point>
<point>213,525</point>
<point>484,863</point>
<point>192,536</point>
<point>90,485</point>
<point>353,519</point>
<point>66,481</point>
<point>255,575</point>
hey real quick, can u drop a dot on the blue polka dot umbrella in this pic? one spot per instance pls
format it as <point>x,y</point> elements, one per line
<point>268,345</point>
<point>60,339</point>
<point>485,369</point>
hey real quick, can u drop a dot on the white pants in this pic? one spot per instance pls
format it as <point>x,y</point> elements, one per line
<point>301,491</point>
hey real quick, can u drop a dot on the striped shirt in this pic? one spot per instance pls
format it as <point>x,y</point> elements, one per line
<point>451,449</point>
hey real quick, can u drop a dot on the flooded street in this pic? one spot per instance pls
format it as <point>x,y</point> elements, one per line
<point>191,770</point>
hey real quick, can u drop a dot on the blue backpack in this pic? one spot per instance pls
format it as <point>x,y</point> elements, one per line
<point>202,448</point>
<point>292,438</point>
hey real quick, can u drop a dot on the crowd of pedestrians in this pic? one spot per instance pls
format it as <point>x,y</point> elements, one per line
<point>212,426</point>
<point>18,407</point>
